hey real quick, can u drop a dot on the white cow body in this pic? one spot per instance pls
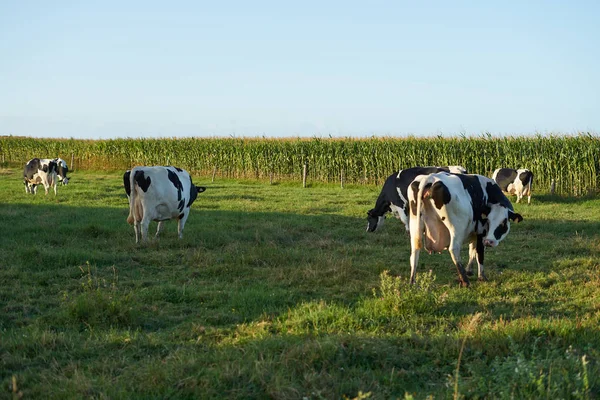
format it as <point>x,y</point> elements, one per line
<point>158,194</point>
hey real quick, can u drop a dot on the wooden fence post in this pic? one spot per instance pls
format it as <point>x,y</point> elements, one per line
<point>214,173</point>
<point>552,186</point>
<point>342,178</point>
<point>72,161</point>
<point>304,170</point>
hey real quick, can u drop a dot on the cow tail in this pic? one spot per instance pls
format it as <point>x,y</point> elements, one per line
<point>132,196</point>
<point>416,223</point>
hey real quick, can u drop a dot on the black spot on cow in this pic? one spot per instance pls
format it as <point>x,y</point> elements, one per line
<point>501,229</point>
<point>478,202</point>
<point>176,182</point>
<point>413,207</point>
<point>142,180</point>
<point>440,194</point>
<point>415,187</point>
<point>443,218</point>
<point>180,216</point>
<point>181,205</point>
<point>526,177</point>
<point>31,168</point>
<point>505,177</point>
<point>127,183</point>
<point>495,195</point>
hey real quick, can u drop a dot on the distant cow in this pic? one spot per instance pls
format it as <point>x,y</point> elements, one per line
<point>40,171</point>
<point>446,210</point>
<point>158,194</point>
<point>393,195</point>
<point>514,181</point>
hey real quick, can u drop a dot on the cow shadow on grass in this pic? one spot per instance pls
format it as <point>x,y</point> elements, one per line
<point>233,267</point>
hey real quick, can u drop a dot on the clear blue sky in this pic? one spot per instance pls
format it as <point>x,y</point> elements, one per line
<point>102,69</point>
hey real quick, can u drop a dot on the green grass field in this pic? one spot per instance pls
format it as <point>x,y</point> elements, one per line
<point>277,291</point>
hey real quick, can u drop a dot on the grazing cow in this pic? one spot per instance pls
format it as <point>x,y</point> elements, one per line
<point>40,171</point>
<point>393,195</point>
<point>158,194</point>
<point>61,170</point>
<point>448,209</point>
<point>514,181</point>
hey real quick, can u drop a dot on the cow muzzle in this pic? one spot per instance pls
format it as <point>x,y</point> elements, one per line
<point>489,243</point>
<point>65,181</point>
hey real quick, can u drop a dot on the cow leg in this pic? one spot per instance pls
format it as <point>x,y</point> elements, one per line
<point>414,260</point>
<point>455,254</point>
<point>159,228</point>
<point>144,225</point>
<point>480,251</point>
<point>181,223</point>
<point>136,229</point>
<point>472,257</point>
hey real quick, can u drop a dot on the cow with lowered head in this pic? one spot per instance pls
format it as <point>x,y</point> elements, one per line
<point>447,210</point>
<point>394,194</point>
<point>158,194</point>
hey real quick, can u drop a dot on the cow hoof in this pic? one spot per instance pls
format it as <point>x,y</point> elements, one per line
<point>482,278</point>
<point>465,284</point>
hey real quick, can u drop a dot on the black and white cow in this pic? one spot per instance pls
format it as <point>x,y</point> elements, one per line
<point>448,209</point>
<point>514,181</point>
<point>40,171</point>
<point>45,176</point>
<point>158,194</point>
<point>394,194</point>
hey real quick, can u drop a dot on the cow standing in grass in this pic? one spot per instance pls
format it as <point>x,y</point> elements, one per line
<point>158,194</point>
<point>449,209</point>
<point>45,171</point>
<point>394,194</point>
<point>40,171</point>
<point>514,181</point>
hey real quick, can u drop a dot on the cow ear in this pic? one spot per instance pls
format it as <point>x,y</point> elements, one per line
<point>515,216</point>
<point>200,189</point>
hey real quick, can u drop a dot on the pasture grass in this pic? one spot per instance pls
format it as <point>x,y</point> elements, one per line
<point>277,291</point>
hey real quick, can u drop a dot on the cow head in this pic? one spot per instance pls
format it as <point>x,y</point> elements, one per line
<point>62,170</point>
<point>495,224</point>
<point>374,222</point>
<point>194,191</point>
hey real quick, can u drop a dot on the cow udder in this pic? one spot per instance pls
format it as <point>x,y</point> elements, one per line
<point>437,236</point>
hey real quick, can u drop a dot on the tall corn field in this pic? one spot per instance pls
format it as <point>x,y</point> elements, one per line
<point>572,162</point>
